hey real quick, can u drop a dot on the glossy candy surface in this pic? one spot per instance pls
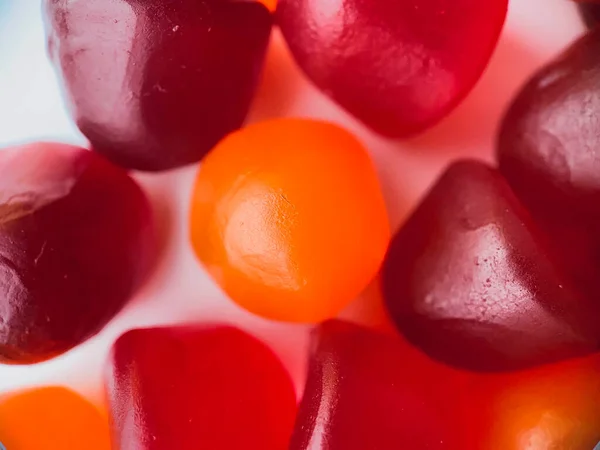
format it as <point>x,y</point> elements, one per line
<point>190,388</point>
<point>288,217</point>
<point>552,407</point>
<point>76,240</point>
<point>549,151</point>
<point>399,66</point>
<point>469,279</point>
<point>156,84</point>
<point>369,390</point>
<point>51,418</point>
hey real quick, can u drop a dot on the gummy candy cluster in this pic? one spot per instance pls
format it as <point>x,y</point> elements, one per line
<point>491,285</point>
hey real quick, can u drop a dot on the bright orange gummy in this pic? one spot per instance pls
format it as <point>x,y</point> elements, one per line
<point>271,4</point>
<point>288,217</point>
<point>551,407</point>
<point>51,418</point>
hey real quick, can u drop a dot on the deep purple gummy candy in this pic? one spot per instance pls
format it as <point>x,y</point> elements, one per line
<point>470,280</point>
<point>155,84</point>
<point>76,239</point>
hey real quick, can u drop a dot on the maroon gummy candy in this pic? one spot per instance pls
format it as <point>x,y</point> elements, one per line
<point>211,388</point>
<point>76,239</point>
<point>590,12</point>
<point>370,391</point>
<point>469,279</point>
<point>549,151</point>
<point>399,66</point>
<point>155,84</point>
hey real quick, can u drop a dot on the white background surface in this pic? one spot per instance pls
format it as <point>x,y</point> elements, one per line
<point>31,109</point>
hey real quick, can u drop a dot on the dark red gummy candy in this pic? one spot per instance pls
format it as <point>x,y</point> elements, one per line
<point>211,388</point>
<point>549,151</point>
<point>590,12</point>
<point>155,84</point>
<point>369,391</point>
<point>469,280</point>
<point>399,66</point>
<point>76,239</point>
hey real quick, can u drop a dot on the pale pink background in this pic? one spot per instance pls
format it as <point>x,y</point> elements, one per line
<point>31,109</point>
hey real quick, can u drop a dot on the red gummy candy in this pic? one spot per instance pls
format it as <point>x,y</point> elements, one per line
<point>198,388</point>
<point>469,280</point>
<point>76,239</point>
<point>399,66</point>
<point>370,391</point>
<point>366,390</point>
<point>155,84</point>
<point>549,151</point>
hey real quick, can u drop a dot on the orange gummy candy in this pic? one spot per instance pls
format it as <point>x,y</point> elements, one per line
<point>271,4</point>
<point>288,217</point>
<point>52,418</point>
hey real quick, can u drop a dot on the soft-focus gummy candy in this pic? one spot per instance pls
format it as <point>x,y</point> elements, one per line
<point>156,84</point>
<point>76,239</point>
<point>366,390</point>
<point>51,418</point>
<point>469,279</point>
<point>551,407</point>
<point>198,388</point>
<point>399,66</point>
<point>590,12</point>
<point>549,151</point>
